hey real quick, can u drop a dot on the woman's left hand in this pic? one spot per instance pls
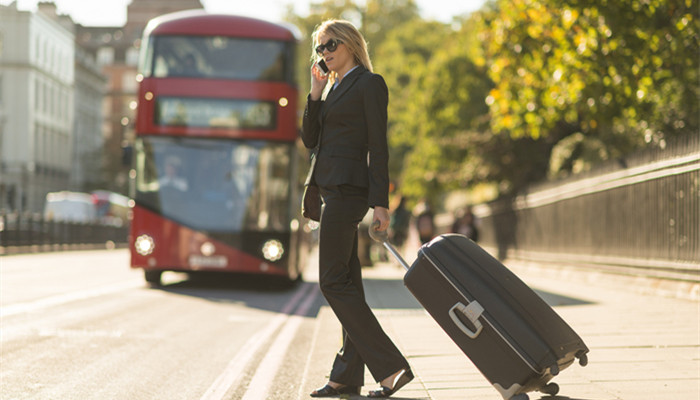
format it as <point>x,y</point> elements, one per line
<point>381,214</point>
<point>318,82</point>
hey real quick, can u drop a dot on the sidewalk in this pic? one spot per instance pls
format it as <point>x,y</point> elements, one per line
<point>641,346</point>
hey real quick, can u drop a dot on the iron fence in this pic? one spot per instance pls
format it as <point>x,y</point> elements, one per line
<point>643,211</point>
<point>23,231</point>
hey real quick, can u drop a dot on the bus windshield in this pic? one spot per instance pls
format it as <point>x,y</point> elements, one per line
<point>215,185</point>
<point>217,57</point>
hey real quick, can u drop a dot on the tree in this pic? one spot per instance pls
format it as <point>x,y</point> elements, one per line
<point>446,110</point>
<point>620,73</point>
<point>381,17</point>
<point>403,59</point>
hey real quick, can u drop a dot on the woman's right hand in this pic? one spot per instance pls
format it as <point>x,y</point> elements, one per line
<point>318,82</point>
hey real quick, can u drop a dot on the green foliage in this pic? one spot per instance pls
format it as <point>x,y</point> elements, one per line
<point>402,59</point>
<point>449,109</point>
<point>623,72</point>
<point>382,17</point>
<point>525,89</point>
<point>575,153</point>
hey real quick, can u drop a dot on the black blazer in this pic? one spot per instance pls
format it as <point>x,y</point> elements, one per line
<point>352,124</point>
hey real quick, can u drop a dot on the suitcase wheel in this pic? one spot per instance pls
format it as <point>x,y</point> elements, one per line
<point>551,389</point>
<point>582,359</point>
<point>554,370</point>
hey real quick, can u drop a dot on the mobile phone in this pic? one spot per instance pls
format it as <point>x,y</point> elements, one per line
<point>323,66</point>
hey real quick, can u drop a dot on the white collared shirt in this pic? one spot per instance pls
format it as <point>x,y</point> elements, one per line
<point>336,83</point>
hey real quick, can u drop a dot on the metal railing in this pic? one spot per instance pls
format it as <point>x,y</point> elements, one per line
<point>643,212</point>
<point>31,232</point>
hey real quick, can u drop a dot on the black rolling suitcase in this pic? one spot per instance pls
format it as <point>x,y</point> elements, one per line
<point>517,341</point>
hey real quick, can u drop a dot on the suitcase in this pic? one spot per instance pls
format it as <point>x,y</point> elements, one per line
<point>517,341</point>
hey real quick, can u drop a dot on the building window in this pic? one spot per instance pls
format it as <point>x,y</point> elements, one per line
<point>132,56</point>
<point>37,143</point>
<point>37,95</point>
<point>45,57</point>
<point>105,56</point>
<point>37,53</point>
<point>44,99</point>
<point>60,64</point>
<point>51,105</point>
<point>129,84</point>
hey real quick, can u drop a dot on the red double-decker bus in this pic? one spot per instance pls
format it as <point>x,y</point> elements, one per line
<point>215,177</point>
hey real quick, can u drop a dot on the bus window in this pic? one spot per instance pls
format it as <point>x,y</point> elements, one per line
<point>227,185</point>
<point>219,57</point>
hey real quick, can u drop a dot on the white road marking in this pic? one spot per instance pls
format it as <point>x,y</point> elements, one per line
<point>259,385</point>
<point>64,298</point>
<point>314,339</point>
<point>235,368</point>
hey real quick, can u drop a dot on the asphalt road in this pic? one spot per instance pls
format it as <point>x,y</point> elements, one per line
<point>82,325</point>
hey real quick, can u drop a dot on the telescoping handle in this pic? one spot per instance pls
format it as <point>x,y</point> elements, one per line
<point>383,238</point>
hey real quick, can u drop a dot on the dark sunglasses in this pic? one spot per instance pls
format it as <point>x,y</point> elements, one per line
<point>330,45</point>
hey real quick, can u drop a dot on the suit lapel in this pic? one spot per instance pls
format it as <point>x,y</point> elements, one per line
<point>343,87</point>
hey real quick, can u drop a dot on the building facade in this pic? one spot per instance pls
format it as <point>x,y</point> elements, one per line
<point>67,100</point>
<point>90,88</point>
<point>37,76</point>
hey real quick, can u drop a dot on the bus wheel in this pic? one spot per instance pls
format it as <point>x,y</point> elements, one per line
<point>152,277</point>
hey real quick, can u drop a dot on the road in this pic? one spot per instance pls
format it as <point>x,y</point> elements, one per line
<point>81,325</point>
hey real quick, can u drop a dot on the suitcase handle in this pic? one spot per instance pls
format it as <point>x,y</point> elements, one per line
<point>383,238</point>
<point>473,311</point>
<point>378,236</point>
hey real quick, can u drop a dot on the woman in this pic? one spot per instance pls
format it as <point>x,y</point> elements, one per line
<point>345,121</point>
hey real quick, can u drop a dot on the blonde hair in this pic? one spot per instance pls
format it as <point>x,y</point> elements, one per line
<point>346,32</point>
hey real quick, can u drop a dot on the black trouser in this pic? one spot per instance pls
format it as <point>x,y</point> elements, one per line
<point>340,278</point>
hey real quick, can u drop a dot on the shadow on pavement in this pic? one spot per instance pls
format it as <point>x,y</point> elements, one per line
<point>403,299</point>
<point>559,300</point>
<point>263,293</point>
<point>271,294</point>
<point>229,281</point>
<point>394,295</point>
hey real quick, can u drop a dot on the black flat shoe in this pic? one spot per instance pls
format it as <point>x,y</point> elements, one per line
<point>401,381</point>
<point>330,391</point>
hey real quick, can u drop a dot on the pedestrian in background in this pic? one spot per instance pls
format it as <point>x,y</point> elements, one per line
<point>465,224</point>
<point>345,120</point>
<point>400,222</point>
<point>425,221</point>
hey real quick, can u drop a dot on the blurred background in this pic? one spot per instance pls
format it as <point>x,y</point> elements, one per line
<point>567,131</point>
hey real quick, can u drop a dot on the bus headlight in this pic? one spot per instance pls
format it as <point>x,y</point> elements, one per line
<point>207,248</point>
<point>273,250</point>
<point>144,245</point>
